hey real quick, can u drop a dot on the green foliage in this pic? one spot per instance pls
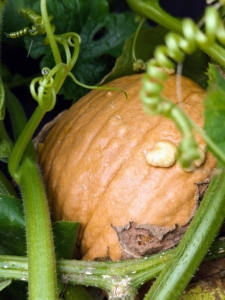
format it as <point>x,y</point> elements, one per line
<point>77,292</point>
<point>12,230</point>
<point>4,283</point>
<point>12,225</point>
<point>215,106</point>
<point>65,237</point>
<point>194,66</point>
<point>147,40</point>
<point>102,34</point>
<point>15,291</point>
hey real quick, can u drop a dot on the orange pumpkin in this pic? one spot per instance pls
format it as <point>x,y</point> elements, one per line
<point>95,170</point>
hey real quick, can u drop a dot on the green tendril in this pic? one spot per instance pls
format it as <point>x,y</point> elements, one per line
<point>108,88</point>
<point>138,64</point>
<point>175,48</point>
<point>38,26</point>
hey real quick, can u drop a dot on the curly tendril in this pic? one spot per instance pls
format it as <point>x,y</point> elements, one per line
<point>138,64</point>
<point>164,57</point>
<point>37,27</point>
<point>69,39</point>
<point>45,94</point>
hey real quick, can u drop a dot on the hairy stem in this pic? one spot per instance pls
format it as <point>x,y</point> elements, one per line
<point>20,146</point>
<point>103,273</point>
<point>40,248</point>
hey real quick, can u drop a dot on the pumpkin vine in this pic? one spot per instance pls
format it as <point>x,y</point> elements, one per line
<point>44,90</point>
<point>194,245</point>
<point>175,49</point>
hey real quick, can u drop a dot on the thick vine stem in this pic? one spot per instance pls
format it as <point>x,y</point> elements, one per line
<point>20,146</point>
<point>106,275</point>
<point>152,10</point>
<point>194,245</point>
<point>46,98</point>
<point>40,248</point>
<point>49,32</point>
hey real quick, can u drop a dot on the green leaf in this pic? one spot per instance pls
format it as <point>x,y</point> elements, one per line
<point>13,21</point>
<point>6,186</point>
<point>195,67</point>
<point>12,230</point>
<point>65,237</point>
<point>4,283</point>
<point>5,251</point>
<point>12,225</point>
<point>147,40</point>
<point>17,290</point>
<point>102,33</point>
<point>5,148</point>
<point>116,29</point>
<point>16,113</point>
<point>215,107</point>
<point>77,292</point>
<point>204,291</point>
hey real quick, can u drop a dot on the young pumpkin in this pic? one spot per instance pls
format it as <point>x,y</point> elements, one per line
<point>98,168</point>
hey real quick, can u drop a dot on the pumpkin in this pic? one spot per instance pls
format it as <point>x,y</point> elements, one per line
<point>96,168</point>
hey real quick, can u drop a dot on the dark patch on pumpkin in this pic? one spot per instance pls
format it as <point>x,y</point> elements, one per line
<point>137,240</point>
<point>202,187</point>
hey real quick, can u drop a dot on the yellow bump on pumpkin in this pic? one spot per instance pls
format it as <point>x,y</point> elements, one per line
<point>162,155</point>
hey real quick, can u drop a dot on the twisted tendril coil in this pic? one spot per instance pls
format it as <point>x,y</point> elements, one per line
<point>37,27</point>
<point>164,57</point>
<point>45,95</point>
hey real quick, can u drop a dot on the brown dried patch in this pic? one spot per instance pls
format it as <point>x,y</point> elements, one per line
<point>202,187</point>
<point>138,240</point>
